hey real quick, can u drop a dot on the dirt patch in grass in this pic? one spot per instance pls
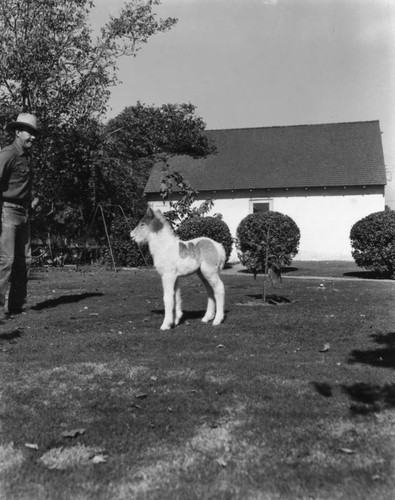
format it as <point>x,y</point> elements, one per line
<point>271,300</point>
<point>69,457</point>
<point>252,409</point>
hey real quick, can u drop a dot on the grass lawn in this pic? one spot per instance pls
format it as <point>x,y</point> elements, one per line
<point>292,401</point>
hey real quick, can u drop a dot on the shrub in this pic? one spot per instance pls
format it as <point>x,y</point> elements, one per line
<point>211,227</point>
<point>373,242</point>
<point>269,235</point>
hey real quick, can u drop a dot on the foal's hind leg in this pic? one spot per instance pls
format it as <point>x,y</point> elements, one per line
<point>210,311</point>
<point>178,305</point>
<point>215,307</point>
<point>168,282</point>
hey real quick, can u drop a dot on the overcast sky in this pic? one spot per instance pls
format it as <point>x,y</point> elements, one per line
<point>262,63</point>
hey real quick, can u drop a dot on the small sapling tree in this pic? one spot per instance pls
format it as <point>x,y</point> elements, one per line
<point>182,209</point>
<point>267,242</point>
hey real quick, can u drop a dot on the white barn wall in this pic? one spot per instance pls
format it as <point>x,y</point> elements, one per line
<point>324,221</point>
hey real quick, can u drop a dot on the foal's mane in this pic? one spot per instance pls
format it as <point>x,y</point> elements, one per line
<point>165,224</point>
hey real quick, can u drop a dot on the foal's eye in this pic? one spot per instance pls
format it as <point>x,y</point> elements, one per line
<point>142,224</point>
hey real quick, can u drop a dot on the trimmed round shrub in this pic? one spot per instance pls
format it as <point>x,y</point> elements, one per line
<point>373,242</point>
<point>211,227</point>
<point>270,235</point>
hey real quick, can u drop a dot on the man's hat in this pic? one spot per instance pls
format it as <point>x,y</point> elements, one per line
<point>24,120</point>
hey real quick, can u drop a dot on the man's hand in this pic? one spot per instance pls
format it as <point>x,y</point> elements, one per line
<point>35,202</point>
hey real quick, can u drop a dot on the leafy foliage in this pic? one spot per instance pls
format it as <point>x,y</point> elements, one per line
<point>267,241</point>
<point>211,227</point>
<point>143,131</point>
<point>137,138</point>
<point>182,208</point>
<point>142,135</point>
<point>49,63</point>
<point>373,242</point>
<point>84,178</point>
<point>51,66</point>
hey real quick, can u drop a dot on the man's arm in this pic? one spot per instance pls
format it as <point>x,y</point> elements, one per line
<point>7,160</point>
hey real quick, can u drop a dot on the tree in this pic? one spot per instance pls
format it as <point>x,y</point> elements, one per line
<point>84,175</point>
<point>137,138</point>
<point>143,131</point>
<point>142,135</point>
<point>50,65</point>
<point>267,241</point>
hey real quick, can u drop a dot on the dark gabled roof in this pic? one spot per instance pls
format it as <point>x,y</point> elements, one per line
<point>327,155</point>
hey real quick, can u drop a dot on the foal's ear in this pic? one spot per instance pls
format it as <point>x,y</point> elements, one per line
<point>150,213</point>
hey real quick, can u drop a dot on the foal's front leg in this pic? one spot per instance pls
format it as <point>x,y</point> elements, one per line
<point>168,283</point>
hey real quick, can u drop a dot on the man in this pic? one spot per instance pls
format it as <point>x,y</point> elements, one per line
<point>16,202</point>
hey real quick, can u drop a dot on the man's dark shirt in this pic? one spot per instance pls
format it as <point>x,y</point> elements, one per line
<point>15,175</point>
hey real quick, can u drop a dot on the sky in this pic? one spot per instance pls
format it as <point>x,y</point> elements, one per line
<point>263,63</point>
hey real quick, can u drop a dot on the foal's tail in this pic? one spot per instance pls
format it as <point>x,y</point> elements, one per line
<point>222,257</point>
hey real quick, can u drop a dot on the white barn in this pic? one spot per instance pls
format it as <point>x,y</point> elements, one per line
<point>326,177</point>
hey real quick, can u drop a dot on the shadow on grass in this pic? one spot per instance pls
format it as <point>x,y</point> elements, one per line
<point>284,270</point>
<point>35,277</point>
<point>271,299</point>
<point>383,357</point>
<point>64,299</point>
<point>187,315</point>
<point>364,398</point>
<point>12,335</point>
<point>368,275</point>
<point>323,388</point>
<point>368,398</point>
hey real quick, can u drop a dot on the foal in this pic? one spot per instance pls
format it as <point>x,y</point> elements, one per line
<point>174,258</point>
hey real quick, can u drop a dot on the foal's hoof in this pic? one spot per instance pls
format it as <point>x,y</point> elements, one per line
<point>165,327</point>
<point>177,321</point>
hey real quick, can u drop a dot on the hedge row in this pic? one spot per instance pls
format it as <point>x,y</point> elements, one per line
<point>268,238</point>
